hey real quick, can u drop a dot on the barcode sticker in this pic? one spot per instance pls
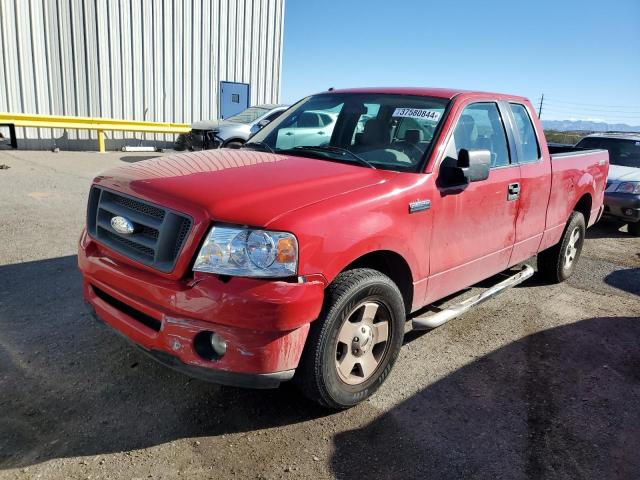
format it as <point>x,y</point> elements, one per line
<point>422,113</point>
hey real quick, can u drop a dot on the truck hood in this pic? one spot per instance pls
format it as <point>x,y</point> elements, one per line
<point>619,173</point>
<point>207,124</point>
<point>238,186</point>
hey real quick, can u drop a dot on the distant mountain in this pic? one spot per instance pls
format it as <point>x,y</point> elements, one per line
<point>585,125</point>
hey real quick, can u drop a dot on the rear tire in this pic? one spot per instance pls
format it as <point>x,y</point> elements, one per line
<point>634,229</point>
<point>557,263</point>
<point>354,343</point>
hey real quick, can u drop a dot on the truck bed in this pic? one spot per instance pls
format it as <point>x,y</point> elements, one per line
<point>572,169</point>
<point>557,149</point>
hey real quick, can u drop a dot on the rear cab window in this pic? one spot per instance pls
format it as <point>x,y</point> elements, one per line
<point>530,149</point>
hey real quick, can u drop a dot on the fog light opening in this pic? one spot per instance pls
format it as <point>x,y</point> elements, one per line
<point>210,345</point>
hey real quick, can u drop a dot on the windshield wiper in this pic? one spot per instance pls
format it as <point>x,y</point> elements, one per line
<point>265,146</point>
<point>343,151</point>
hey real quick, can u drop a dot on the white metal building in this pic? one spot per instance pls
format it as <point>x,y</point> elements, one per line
<point>155,60</point>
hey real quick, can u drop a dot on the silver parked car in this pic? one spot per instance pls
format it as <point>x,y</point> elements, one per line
<point>231,132</point>
<point>622,196</point>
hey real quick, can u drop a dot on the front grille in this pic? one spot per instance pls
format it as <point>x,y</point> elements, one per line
<point>141,317</point>
<point>138,206</point>
<point>126,243</point>
<point>159,233</point>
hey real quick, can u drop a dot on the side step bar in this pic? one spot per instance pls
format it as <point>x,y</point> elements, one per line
<point>430,321</point>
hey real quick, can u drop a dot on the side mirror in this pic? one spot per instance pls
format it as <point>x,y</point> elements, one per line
<point>474,164</point>
<point>258,126</point>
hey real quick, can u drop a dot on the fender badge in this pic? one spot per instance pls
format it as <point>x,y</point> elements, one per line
<point>419,206</point>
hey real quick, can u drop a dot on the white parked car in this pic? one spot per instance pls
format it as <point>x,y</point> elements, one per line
<point>231,132</point>
<point>310,128</point>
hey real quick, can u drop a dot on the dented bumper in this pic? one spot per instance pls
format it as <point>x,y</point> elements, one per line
<point>265,323</point>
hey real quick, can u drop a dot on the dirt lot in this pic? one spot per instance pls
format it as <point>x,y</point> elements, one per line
<point>542,382</point>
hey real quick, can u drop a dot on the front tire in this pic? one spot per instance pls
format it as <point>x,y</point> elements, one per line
<point>558,263</point>
<point>354,343</point>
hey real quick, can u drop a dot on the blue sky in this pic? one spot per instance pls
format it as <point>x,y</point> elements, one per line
<point>584,55</point>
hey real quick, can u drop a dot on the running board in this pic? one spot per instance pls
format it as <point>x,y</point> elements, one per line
<point>433,320</point>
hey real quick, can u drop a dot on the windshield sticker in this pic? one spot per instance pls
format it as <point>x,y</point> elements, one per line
<point>422,113</point>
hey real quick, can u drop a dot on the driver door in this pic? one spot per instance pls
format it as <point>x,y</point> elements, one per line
<point>474,224</point>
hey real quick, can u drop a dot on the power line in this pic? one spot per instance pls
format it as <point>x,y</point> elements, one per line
<point>593,104</point>
<point>584,109</point>
<point>577,113</point>
<point>553,106</point>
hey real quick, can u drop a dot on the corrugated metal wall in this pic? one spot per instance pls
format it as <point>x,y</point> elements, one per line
<point>158,60</point>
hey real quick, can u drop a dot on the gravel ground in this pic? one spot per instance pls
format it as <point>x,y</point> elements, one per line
<point>541,382</point>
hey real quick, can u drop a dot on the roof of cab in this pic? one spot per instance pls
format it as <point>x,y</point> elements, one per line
<point>447,93</point>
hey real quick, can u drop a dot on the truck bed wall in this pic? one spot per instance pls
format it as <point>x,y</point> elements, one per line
<point>575,173</point>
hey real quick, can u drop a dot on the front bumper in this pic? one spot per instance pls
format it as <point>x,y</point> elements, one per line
<point>198,140</point>
<point>622,206</point>
<point>265,323</point>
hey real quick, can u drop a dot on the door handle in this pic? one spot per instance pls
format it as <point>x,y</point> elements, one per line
<point>513,191</point>
<point>288,134</point>
<point>320,133</point>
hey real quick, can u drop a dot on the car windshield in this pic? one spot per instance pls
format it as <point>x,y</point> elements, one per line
<point>622,151</point>
<point>247,116</point>
<point>387,131</point>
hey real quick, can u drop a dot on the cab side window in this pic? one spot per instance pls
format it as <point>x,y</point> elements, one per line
<point>528,138</point>
<point>480,127</point>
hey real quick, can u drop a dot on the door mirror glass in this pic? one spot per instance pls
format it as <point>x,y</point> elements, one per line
<point>474,164</point>
<point>256,127</point>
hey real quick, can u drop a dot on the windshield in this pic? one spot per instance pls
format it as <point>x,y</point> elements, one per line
<point>247,116</point>
<point>386,131</point>
<point>622,151</point>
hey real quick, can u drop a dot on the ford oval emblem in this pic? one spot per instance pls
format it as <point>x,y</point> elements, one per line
<point>122,225</point>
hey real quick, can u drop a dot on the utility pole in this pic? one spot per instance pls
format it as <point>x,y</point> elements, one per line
<point>540,107</point>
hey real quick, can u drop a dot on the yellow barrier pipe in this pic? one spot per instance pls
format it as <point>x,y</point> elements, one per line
<point>90,123</point>
<point>101,148</point>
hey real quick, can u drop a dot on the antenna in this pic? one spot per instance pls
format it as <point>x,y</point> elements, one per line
<point>540,107</point>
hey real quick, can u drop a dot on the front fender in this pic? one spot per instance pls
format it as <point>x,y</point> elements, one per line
<point>334,233</point>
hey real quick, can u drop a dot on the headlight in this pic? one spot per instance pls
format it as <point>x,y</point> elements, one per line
<point>248,252</point>
<point>629,187</point>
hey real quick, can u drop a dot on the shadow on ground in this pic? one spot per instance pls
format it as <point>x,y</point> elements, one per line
<point>627,280</point>
<point>70,387</point>
<point>562,403</point>
<point>607,229</point>
<point>136,158</point>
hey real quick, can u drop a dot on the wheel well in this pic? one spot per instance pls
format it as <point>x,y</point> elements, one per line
<point>239,140</point>
<point>394,266</point>
<point>584,207</point>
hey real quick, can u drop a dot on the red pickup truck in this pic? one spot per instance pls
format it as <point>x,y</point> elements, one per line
<point>307,253</point>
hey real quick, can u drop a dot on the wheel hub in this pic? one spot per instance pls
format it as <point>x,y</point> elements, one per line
<point>572,248</point>
<point>362,341</point>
